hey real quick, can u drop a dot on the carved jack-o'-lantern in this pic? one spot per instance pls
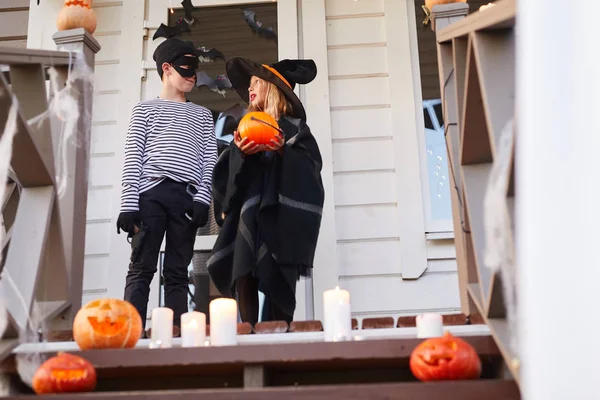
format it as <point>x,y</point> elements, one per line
<point>77,14</point>
<point>445,358</point>
<point>259,127</point>
<point>431,3</point>
<point>107,324</point>
<point>64,373</point>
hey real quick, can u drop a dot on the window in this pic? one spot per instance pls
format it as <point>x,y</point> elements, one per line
<point>434,165</point>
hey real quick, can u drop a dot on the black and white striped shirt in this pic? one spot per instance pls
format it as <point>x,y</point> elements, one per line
<point>168,139</point>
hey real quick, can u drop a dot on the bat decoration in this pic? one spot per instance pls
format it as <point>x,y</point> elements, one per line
<point>219,85</point>
<point>170,31</point>
<point>188,7</point>
<point>257,26</point>
<point>206,55</point>
<point>236,112</point>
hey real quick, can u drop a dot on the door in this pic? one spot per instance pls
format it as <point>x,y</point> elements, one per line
<point>220,24</point>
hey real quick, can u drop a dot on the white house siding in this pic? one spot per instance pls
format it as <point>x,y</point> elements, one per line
<point>14,19</point>
<point>368,204</point>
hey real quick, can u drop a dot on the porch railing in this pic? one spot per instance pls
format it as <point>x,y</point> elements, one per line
<point>44,225</point>
<point>476,59</point>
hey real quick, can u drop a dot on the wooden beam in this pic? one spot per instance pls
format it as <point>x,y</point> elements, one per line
<point>502,16</point>
<point>27,161</point>
<point>25,254</point>
<point>28,84</point>
<point>449,390</point>
<point>16,56</point>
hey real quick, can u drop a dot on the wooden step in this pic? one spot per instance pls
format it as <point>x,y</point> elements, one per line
<point>463,390</point>
<point>291,365</point>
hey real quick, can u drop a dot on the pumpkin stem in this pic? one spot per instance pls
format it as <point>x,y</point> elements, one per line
<point>266,123</point>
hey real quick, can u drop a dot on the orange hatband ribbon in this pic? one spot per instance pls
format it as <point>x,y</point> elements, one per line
<point>273,70</point>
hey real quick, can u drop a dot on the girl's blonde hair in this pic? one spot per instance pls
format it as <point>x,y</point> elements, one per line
<point>275,104</point>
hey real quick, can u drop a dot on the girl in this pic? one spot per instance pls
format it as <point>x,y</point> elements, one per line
<point>268,199</point>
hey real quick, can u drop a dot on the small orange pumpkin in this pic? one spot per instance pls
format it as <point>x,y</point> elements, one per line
<point>107,324</point>
<point>77,14</point>
<point>64,373</point>
<point>431,3</point>
<point>445,358</point>
<point>259,127</point>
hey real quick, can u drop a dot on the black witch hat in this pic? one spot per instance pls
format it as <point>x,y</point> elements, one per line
<point>284,74</point>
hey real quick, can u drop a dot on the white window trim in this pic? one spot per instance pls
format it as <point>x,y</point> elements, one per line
<point>432,226</point>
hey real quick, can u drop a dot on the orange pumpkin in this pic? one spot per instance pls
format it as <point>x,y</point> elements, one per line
<point>77,14</point>
<point>445,358</point>
<point>107,324</point>
<point>259,127</point>
<point>431,3</point>
<point>64,373</point>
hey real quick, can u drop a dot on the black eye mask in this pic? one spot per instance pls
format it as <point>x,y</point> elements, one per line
<point>191,64</point>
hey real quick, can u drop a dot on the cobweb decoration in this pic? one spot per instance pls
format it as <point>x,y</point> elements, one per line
<point>63,112</point>
<point>498,252</point>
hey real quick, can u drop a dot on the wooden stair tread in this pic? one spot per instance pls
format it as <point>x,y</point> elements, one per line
<point>449,390</point>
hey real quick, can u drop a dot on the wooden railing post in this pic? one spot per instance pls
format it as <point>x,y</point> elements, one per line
<point>73,203</point>
<point>442,16</point>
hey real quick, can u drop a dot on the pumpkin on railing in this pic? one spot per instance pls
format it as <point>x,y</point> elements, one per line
<point>77,14</point>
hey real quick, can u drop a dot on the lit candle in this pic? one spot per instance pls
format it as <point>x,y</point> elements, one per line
<point>223,322</point>
<point>162,327</point>
<point>429,325</point>
<point>193,329</point>
<point>337,323</point>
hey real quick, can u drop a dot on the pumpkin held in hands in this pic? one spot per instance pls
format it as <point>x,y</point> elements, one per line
<point>77,14</point>
<point>107,324</point>
<point>64,373</point>
<point>445,358</point>
<point>259,127</point>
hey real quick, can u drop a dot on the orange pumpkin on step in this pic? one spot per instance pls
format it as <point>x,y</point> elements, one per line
<point>107,324</point>
<point>64,373</point>
<point>431,3</point>
<point>259,127</point>
<point>77,14</point>
<point>445,358</point>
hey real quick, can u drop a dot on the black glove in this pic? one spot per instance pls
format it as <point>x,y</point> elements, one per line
<point>127,221</point>
<point>200,215</point>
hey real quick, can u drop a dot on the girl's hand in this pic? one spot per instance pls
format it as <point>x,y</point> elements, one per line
<point>245,146</point>
<point>276,144</point>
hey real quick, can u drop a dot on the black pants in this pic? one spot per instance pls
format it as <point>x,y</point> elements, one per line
<point>247,298</point>
<point>162,210</point>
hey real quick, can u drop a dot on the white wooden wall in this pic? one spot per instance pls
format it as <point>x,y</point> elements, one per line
<point>14,19</point>
<point>370,207</point>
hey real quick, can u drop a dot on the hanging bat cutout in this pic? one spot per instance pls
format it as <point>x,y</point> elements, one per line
<point>257,26</point>
<point>236,112</point>
<point>219,85</point>
<point>170,31</point>
<point>188,7</point>
<point>209,55</point>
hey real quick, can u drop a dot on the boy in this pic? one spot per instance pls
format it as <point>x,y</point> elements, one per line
<point>170,153</point>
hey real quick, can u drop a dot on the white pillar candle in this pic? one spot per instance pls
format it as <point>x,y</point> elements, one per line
<point>162,327</point>
<point>223,322</point>
<point>429,325</point>
<point>337,318</point>
<point>193,329</point>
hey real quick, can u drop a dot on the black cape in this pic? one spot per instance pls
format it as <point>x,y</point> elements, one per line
<point>272,206</point>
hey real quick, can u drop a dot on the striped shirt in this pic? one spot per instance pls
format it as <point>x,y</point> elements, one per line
<point>168,139</point>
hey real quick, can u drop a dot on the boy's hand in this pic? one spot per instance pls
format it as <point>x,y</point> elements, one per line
<point>129,222</point>
<point>245,146</point>
<point>200,214</point>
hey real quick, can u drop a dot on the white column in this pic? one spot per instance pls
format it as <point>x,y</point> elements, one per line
<point>558,210</point>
